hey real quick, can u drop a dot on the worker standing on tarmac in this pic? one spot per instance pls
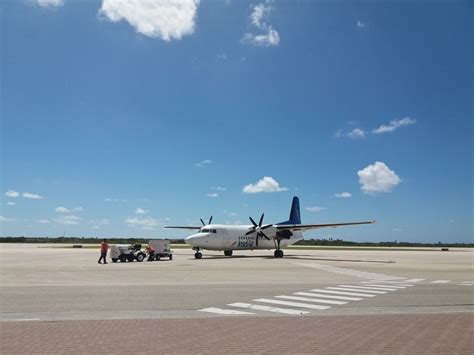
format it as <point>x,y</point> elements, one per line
<point>151,252</point>
<point>104,247</point>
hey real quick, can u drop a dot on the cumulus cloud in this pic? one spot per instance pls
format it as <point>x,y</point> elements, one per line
<point>394,125</point>
<point>343,195</point>
<point>62,209</point>
<point>315,209</point>
<point>102,221</point>
<point>32,196</point>
<point>203,163</point>
<point>212,194</point>
<point>141,211</point>
<point>360,24</point>
<point>43,221</point>
<point>267,184</point>
<point>68,220</point>
<point>141,222</point>
<point>377,178</point>
<point>356,133</point>
<point>270,36</point>
<point>12,193</point>
<point>50,3</point>
<point>219,188</point>
<point>164,19</point>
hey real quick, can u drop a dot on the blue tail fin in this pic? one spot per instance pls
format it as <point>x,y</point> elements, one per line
<point>295,216</point>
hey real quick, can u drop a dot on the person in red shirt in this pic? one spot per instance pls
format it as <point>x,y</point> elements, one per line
<point>104,247</point>
<point>151,252</point>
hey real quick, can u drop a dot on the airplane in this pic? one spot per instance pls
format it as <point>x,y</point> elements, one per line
<point>228,238</point>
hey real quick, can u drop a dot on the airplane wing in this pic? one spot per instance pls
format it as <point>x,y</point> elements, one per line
<point>303,227</point>
<point>183,227</point>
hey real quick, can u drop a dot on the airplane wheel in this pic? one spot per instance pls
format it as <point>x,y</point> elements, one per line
<point>198,255</point>
<point>228,252</point>
<point>278,253</point>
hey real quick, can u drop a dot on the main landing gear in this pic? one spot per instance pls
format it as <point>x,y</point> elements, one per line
<point>227,252</point>
<point>198,255</point>
<point>278,252</point>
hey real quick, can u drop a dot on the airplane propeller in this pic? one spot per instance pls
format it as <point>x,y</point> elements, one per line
<point>259,229</point>
<point>210,220</point>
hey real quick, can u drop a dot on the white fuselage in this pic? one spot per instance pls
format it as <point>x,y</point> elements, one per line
<point>230,237</point>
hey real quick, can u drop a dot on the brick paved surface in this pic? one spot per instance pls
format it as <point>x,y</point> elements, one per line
<point>433,333</point>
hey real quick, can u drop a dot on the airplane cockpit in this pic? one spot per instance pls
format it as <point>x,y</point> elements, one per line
<point>207,230</point>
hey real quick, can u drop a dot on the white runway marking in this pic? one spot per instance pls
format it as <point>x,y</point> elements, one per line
<point>351,289</point>
<point>467,283</point>
<point>317,300</point>
<point>363,288</point>
<point>414,280</point>
<point>292,304</point>
<point>396,287</point>
<point>224,311</point>
<point>440,281</point>
<point>343,293</point>
<point>328,296</point>
<point>389,283</point>
<point>258,307</point>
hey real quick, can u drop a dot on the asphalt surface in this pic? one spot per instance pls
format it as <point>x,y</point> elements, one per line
<point>41,283</point>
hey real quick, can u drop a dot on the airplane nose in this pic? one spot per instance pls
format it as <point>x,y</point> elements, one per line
<point>190,240</point>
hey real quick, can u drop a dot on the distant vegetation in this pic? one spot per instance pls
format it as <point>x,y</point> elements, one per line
<point>309,242</point>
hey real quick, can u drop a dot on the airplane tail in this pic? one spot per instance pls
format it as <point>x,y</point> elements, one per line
<point>295,216</point>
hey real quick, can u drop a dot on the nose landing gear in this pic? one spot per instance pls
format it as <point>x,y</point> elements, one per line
<point>198,255</point>
<point>227,252</point>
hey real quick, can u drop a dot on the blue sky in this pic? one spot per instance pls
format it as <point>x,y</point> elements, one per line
<point>119,119</point>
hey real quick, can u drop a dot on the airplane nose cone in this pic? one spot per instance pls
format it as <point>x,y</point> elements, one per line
<point>190,240</point>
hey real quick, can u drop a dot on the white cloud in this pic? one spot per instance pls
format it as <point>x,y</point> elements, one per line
<point>12,193</point>
<point>356,133</point>
<point>343,195</point>
<point>95,227</point>
<point>50,3</point>
<point>141,211</point>
<point>9,203</point>
<point>270,36</point>
<point>108,199</point>
<point>360,24</point>
<point>219,188</point>
<point>141,222</point>
<point>62,209</point>
<point>203,163</point>
<point>314,209</point>
<point>7,219</point>
<point>232,214</point>
<point>43,221</point>
<point>267,184</point>
<point>212,194</point>
<point>69,220</point>
<point>31,195</point>
<point>164,19</point>
<point>393,125</point>
<point>377,178</point>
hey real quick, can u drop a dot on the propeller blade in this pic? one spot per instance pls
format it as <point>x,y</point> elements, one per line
<point>264,235</point>
<point>202,222</point>
<point>210,220</point>
<point>261,220</point>
<point>253,222</point>
<point>267,226</point>
<point>250,232</point>
<point>256,240</point>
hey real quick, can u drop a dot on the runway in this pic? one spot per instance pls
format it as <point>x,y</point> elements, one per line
<point>40,284</point>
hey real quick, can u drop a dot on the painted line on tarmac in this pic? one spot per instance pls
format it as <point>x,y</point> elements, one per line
<point>328,296</point>
<point>258,307</point>
<point>224,311</point>
<point>367,288</point>
<point>343,293</point>
<point>316,300</point>
<point>292,304</point>
<point>397,287</point>
<point>440,281</point>
<point>339,288</point>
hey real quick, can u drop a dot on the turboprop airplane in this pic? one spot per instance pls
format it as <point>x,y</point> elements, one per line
<point>255,236</point>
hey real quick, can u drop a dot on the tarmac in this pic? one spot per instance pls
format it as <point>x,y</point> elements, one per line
<point>340,301</point>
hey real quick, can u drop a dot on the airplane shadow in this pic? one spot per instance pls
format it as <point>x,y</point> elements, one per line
<point>295,257</point>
